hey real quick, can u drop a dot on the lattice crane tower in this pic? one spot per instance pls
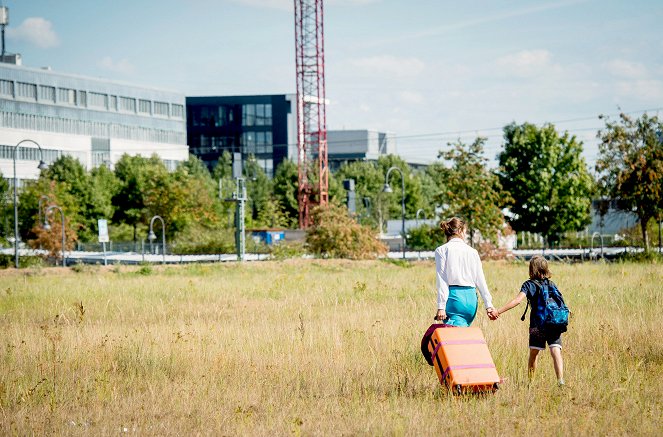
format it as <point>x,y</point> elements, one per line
<point>311,115</point>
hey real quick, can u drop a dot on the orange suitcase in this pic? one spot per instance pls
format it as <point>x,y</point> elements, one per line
<point>462,360</point>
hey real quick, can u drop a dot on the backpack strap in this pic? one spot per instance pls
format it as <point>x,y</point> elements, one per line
<point>522,319</point>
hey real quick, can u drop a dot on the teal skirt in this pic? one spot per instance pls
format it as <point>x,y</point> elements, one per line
<point>461,306</point>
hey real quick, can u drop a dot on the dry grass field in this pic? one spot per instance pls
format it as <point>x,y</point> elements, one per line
<point>313,348</point>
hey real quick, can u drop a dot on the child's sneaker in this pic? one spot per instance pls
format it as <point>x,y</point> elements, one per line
<point>560,383</point>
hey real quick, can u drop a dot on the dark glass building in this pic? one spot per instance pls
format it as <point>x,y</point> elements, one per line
<point>262,126</point>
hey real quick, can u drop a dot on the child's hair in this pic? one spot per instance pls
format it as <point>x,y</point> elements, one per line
<point>538,268</point>
<point>453,226</point>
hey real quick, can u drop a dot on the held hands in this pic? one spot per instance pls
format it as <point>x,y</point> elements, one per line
<point>493,314</point>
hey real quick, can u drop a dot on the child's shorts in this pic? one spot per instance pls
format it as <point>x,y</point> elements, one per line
<point>538,339</point>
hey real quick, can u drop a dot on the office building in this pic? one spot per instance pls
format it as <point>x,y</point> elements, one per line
<point>94,120</point>
<point>345,146</point>
<point>262,127</point>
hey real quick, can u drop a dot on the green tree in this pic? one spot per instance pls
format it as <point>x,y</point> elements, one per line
<point>258,189</point>
<point>630,166</point>
<point>471,191</point>
<point>369,180</point>
<point>129,199</point>
<point>285,182</point>
<point>547,179</point>
<point>5,201</point>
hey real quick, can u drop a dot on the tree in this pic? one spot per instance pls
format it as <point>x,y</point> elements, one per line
<point>258,188</point>
<point>286,181</point>
<point>547,179</point>
<point>128,200</point>
<point>630,166</point>
<point>471,191</point>
<point>4,206</point>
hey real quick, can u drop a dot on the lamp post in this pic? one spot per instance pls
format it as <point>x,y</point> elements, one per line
<point>47,226</point>
<point>151,236</point>
<point>387,189</point>
<point>46,198</point>
<point>416,219</point>
<point>41,166</point>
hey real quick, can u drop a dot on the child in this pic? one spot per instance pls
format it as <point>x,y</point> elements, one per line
<point>538,337</point>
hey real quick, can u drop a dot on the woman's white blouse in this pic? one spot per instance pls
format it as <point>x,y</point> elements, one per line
<point>457,263</point>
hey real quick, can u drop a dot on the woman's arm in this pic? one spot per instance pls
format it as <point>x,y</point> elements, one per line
<point>441,284</point>
<point>514,303</point>
<point>480,282</point>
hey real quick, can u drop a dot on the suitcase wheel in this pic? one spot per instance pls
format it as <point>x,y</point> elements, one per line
<point>458,389</point>
<point>496,386</point>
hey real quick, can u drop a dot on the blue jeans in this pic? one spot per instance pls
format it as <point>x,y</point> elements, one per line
<point>461,306</point>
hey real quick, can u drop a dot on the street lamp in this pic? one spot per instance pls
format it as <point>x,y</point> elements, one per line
<point>387,189</point>
<point>47,226</point>
<point>46,198</point>
<point>41,166</point>
<point>417,216</point>
<point>151,236</point>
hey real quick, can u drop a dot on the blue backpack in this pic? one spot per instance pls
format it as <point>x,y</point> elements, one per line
<point>548,307</point>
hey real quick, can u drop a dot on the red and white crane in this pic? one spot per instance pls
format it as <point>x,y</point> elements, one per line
<point>311,103</point>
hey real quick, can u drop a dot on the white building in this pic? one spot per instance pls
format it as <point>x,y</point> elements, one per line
<point>93,120</point>
<point>358,145</point>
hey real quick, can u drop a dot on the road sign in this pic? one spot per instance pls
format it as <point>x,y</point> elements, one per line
<point>103,231</point>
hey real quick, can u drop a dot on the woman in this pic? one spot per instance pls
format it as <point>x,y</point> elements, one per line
<point>459,274</point>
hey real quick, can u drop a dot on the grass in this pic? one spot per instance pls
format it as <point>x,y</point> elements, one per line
<point>313,348</point>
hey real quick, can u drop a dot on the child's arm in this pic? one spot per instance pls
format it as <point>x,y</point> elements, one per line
<point>514,303</point>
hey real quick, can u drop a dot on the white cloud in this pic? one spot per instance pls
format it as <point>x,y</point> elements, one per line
<point>627,69</point>
<point>525,62</point>
<point>648,90</point>
<point>36,31</point>
<point>388,66</point>
<point>411,97</point>
<point>285,5</point>
<point>122,66</point>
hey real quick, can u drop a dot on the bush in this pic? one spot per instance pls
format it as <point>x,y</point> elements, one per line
<point>7,261</point>
<point>335,234</point>
<point>203,241</point>
<point>284,250</point>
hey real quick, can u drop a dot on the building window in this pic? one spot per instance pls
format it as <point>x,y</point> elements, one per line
<point>47,93</point>
<point>66,96</point>
<point>144,106</point>
<point>98,100</point>
<point>7,88</point>
<point>161,108</point>
<point>248,115</point>
<point>113,103</point>
<point>26,90</point>
<point>264,115</point>
<point>127,104</point>
<point>178,111</point>
<point>82,98</point>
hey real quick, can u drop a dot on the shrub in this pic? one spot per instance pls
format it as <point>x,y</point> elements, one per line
<point>335,234</point>
<point>284,250</point>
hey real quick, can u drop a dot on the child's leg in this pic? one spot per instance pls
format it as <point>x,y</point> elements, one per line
<point>556,352</point>
<point>531,365</point>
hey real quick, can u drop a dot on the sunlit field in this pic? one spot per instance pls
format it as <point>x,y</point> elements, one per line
<point>313,348</point>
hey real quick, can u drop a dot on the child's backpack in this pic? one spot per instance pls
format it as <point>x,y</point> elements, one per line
<point>550,311</point>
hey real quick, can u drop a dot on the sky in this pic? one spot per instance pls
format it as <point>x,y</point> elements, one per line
<point>430,71</point>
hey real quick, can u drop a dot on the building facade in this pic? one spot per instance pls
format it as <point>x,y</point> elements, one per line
<point>358,145</point>
<point>261,127</point>
<point>94,120</point>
